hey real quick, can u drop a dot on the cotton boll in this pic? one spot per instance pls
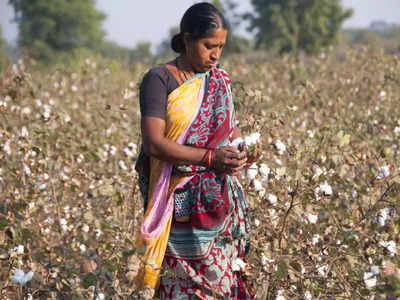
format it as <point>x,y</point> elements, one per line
<point>308,295</point>
<point>18,276</point>
<point>369,280</point>
<point>315,239</point>
<point>390,246</point>
<point>252,139</point>
<point>132,145</point>
<point>28,276</point>
<point>280,296</point>
<point>264,170</point>
<point>396,131</point>
<point>272,198</point>
<point>20,249</point>
<point>252,172</point>
<point>312,218</point>
<point>323,189</point>
<point>21,278</point>
<point>383,216</point>
<point>265,260</point>
<point>128,152</point>
<point>255,137</point>
<point>122,165</point>
<point>82,247</point>
<point>248,141</point>
<point>326,189</point>
<point>280,146</point>
<point>323,270</point>
<point>382,95</point>
<point>383,172</point>
<point>238,265</point>
<point>85,228</point>
<point>24,132</point>
<point>236,142</point>
<point>257,185</point>
<point>100,296</point>
<point>375,270</point>
<point>318,172</point>
<point>113,150</point>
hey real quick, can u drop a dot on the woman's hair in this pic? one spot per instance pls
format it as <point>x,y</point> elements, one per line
<point>198,21</point>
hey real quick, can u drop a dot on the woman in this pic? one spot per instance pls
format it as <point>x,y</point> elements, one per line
<point>195,227</point>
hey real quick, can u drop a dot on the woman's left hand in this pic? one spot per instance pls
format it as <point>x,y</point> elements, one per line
<point>229,160</point>
<point>253,156</point>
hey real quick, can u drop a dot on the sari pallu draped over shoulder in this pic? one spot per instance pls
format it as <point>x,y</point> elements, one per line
<point>199,113</point>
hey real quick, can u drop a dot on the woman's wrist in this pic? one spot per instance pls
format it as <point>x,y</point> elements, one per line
<point>208,158</point>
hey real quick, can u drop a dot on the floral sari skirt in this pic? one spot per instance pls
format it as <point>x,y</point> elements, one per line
<point>217,275</point>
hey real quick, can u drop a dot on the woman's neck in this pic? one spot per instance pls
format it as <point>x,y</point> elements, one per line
<point>184,69</point>
<point>185,64</point>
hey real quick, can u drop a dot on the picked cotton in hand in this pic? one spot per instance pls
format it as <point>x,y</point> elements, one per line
<point>251,141</point>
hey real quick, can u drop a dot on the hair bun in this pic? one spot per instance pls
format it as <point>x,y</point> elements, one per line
<point>177,43</point>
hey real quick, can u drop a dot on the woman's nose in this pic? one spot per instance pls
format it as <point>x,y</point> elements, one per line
<point>215,54</point>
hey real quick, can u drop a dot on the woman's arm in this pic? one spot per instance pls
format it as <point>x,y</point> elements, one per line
<point>155,144</point>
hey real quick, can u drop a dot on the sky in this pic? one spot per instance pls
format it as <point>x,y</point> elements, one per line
<point>130,21</point>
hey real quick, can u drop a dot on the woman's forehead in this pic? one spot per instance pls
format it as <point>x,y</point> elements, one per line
<point>217,34</point>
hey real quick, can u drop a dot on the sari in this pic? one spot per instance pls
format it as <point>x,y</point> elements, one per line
<point>196,221</point>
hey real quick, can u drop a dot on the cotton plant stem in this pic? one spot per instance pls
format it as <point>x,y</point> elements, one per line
<point>293,194</point>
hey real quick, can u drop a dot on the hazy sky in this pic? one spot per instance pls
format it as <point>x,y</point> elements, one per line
<point>130,21</point>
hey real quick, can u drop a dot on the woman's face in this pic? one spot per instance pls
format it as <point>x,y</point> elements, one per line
<point>203,54</point>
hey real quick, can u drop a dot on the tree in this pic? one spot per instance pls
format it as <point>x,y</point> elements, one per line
<point>141,52</point>
<point>126,55</point>
<point>4,59</point>
<point>292,25</point>
<point>48,28</point>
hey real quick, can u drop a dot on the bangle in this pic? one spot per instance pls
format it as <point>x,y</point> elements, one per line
<point>208,158</point>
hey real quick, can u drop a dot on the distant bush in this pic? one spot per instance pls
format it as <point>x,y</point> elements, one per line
<point>4,57</point>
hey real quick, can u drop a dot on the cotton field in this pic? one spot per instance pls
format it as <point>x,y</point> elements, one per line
<point>325,194</point>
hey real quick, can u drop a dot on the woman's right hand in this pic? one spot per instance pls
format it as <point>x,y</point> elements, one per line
<point>229,160</point>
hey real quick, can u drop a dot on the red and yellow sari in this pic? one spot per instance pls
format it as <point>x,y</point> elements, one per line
<point>196,221</point>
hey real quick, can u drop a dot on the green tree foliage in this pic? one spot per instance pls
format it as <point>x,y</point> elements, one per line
<point>126,55</point>
<point>292,25</point>
<point>4,59</point>
<point>48,28</point>
<point>164,50</point>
